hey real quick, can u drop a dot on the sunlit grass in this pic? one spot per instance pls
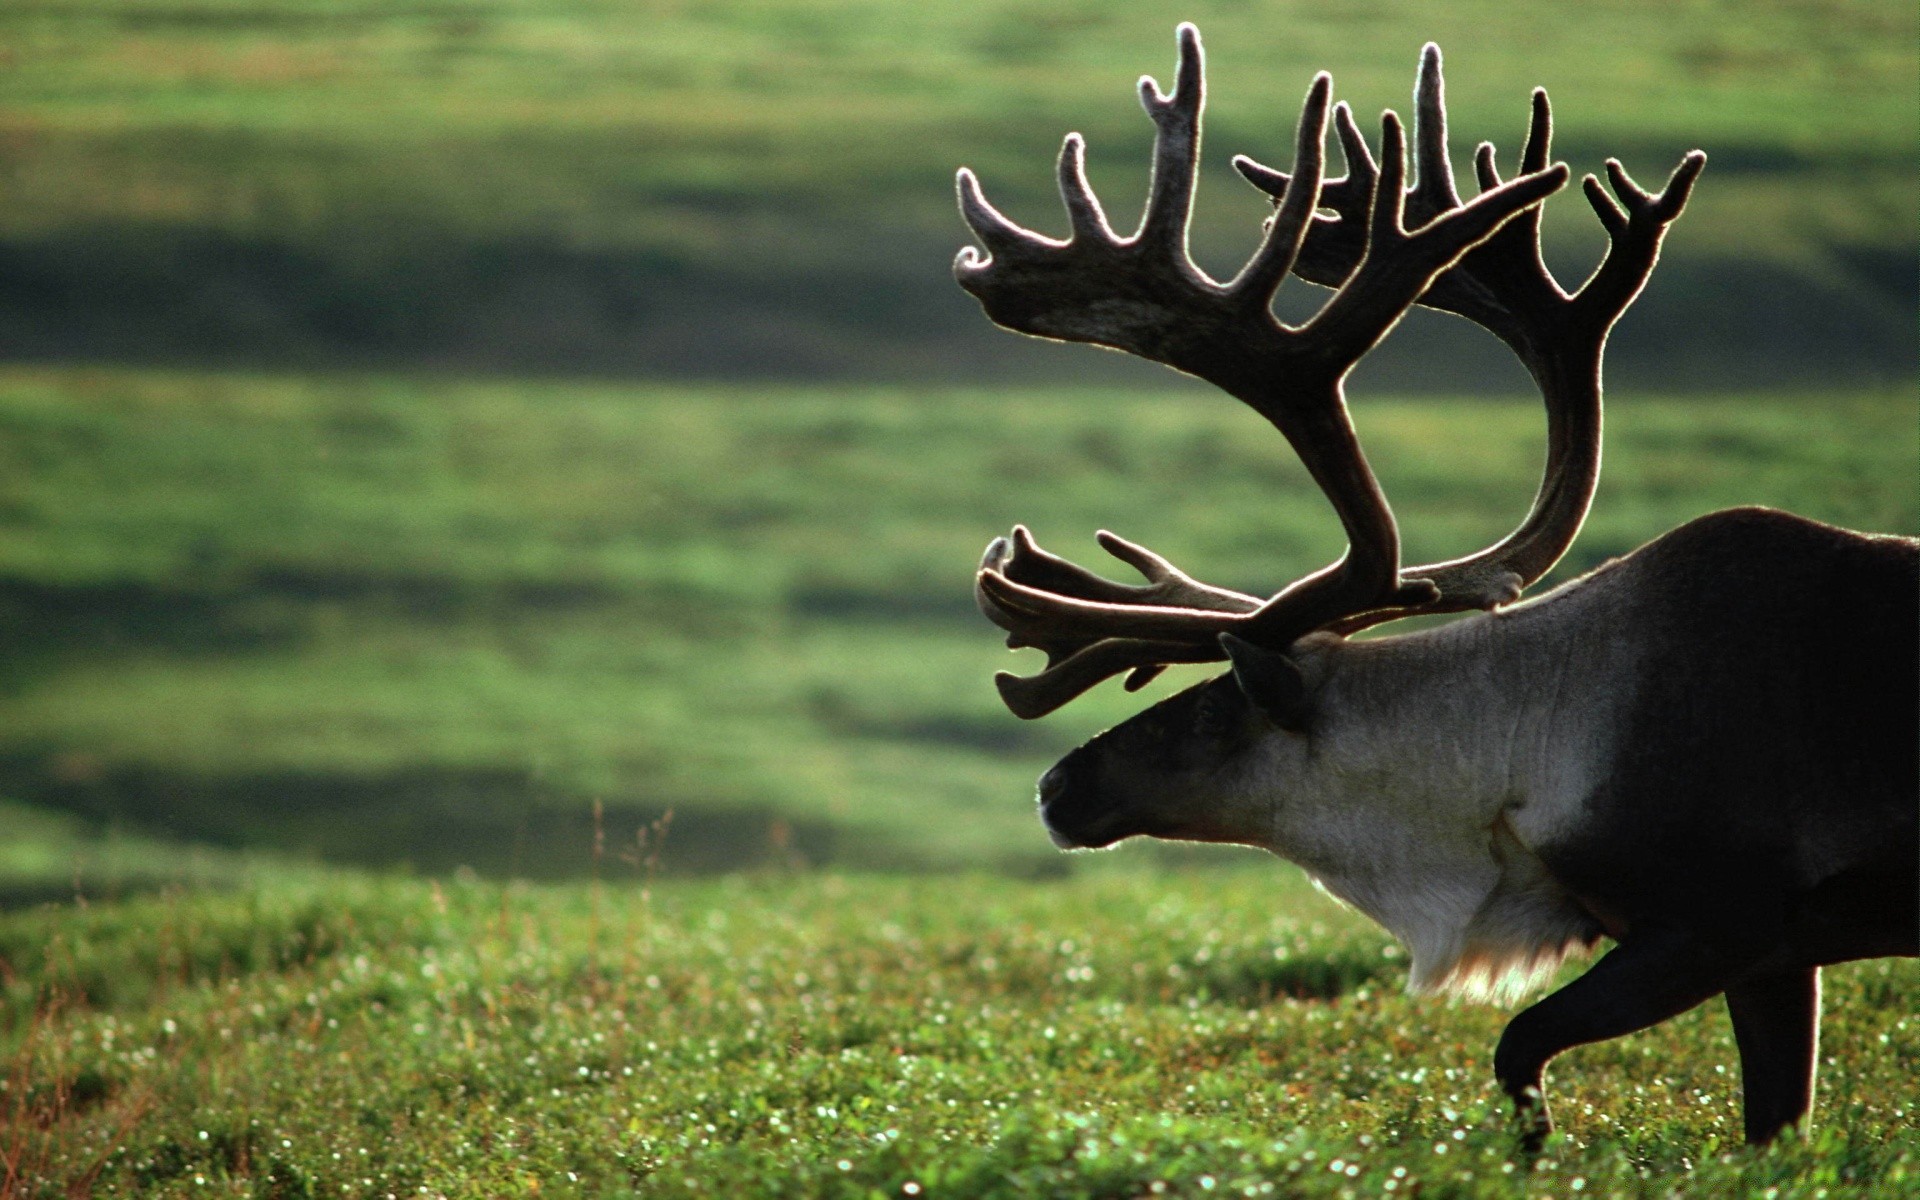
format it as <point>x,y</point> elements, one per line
<point>1226,1031</point>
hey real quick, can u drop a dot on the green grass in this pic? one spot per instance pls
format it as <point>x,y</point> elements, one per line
<point>386,620</point>
<point>1217,1032</point>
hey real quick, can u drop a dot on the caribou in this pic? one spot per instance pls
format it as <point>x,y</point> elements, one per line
<point>1704,751</point>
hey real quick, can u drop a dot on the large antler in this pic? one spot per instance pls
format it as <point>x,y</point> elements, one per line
<point>1504,286</point>
<point>1144,295</point>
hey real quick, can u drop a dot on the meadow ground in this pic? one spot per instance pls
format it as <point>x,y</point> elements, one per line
<point>1225,1031</point>
<point>267,621</point>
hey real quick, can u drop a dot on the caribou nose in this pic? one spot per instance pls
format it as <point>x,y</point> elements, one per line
<point>1052,786</point>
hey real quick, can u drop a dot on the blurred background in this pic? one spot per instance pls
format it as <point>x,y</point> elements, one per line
<point>542,436</point>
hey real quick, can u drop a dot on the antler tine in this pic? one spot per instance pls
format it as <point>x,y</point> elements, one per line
<point>1176,150</point>
<point>998,236</point>
<point>1433,190</point>
<point>1171,585</point>
<point>1634,236</point>
<point>1084,213</point>
<point>1363,174</point>
<point>1539,144</point>
<point>1031,696</point>
<point>1287,230</point>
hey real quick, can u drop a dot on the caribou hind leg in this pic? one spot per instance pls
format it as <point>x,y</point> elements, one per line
<point>1776,1021</point>
<point>1641,982</point>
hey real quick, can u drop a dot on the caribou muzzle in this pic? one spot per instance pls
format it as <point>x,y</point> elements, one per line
<point>1071,808</point>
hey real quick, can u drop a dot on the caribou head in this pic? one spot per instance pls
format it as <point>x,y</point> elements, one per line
<point>1382,245</point>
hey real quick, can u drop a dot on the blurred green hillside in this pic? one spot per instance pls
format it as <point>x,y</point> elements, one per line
<point>432,622</point>
<point>764,188</point>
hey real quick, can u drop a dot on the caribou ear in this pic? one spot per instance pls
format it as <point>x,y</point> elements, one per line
<point>1270,681</point>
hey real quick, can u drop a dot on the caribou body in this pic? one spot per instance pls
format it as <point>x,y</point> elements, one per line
<point>1704,751</point>
<point>1683,751</point>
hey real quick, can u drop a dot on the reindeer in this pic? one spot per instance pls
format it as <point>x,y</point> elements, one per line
<point>1704,751</point>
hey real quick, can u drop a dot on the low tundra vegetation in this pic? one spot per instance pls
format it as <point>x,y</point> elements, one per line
<point>1220,1030</point>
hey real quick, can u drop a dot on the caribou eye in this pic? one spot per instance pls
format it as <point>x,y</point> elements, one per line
<point>1211,717</point>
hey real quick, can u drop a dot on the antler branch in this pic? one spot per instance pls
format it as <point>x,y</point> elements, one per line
<point>1504,285</point>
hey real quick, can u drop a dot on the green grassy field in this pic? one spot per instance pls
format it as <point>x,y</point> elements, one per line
<point>1218,1032</point>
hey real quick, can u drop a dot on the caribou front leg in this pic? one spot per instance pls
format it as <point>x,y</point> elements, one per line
<point>1649,977</point>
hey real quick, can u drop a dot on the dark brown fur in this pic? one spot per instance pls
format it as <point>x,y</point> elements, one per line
<point>1762,818</point>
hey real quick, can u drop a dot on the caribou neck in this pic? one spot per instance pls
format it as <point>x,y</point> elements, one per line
<point>1446,766</point>
<point>1491,713</point>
